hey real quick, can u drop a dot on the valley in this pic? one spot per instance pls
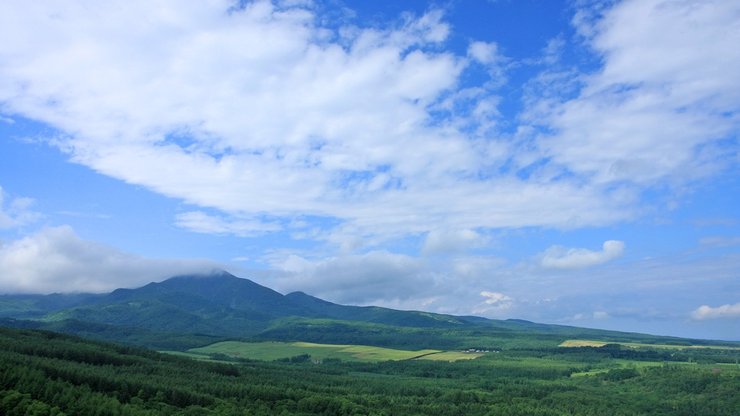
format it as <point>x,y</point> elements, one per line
<point>45,373</point>
<point>228,346</point>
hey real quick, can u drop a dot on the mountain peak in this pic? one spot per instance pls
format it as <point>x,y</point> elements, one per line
<point>298,294</point>
<point>213,273</point>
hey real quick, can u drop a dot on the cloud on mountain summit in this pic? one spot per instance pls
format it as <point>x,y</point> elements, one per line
<point>56,259</point>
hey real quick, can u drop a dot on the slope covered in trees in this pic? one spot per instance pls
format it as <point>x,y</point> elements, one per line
<point>43,373</point>
<point>191,311</point>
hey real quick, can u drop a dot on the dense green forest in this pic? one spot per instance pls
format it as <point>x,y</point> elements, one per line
<point>45,373</point>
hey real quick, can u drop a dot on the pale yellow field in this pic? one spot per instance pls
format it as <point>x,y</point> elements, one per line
<point>280,350</point>
<point>451,356</point>
<point>590,343</point>
<point>581,343</point>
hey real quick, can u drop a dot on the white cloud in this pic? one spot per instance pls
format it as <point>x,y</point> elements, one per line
<point>645,295</point>
<point>725,311</point>
<point>268,114</point>
<point>202,222</point>
<point>357,279</point>
<point>557,257</point>
<point>57,260</point>
<point>495,298</point>
<point>484,52</point>
<point>389,279</point>
<point>600,315</point>
<point>495,303</point>
<point>451,241</point>
<point>265,110</point>
<point>17,213</point>
<point>474,267</point>
<point>664,100</point>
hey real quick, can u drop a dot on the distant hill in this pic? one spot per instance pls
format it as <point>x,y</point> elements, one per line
<point>192,310</point>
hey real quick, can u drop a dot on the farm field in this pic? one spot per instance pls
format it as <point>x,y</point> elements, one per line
<point>452,356</point>
<point>271,351</point>
<point>592,343</point>
<point>44,373</point>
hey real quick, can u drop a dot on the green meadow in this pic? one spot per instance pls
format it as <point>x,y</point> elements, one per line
<point>272,351</point>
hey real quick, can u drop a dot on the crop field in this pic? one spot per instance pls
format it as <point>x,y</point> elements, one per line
<point>270,351</point>
<point>452,356</point>
<point>44,372</point>
<point>591,343</point>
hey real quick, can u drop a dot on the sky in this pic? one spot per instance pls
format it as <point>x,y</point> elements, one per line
<point>570,162</point>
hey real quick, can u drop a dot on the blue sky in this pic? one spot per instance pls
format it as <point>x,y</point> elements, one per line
<point>570,162</point>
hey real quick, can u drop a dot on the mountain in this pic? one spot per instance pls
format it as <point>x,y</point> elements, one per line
<point>320,308</point>
<point>202,306</point>
<point>32,306</point>
<point>218,303</point>
<point>192,310</point>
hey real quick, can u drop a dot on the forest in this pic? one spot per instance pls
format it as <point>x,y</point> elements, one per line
<point>46,373</point>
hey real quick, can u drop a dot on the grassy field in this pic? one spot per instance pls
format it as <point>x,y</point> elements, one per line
<point>451,356</point>
<point>270,351</point>
<point>591,343</point>
<point>617,364</point>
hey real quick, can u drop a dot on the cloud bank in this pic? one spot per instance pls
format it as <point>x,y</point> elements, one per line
<point>725,311</point>
<point>377,276</point>
<point>56,260</point>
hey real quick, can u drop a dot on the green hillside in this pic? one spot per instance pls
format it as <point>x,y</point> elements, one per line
<point>44,373</point>
<point>192,311</point>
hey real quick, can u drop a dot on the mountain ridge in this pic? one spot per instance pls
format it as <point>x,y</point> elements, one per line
<point>190,310</point>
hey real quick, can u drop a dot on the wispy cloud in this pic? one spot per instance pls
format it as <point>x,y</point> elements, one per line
<point>719,241</point>
<point>725,311</point>
<point>663,102</point>
<point>558,257</point>
<point>270,109</point>
<point>495,303</point>
<point>16,212</point>
<point>451,241</point>
<point>201,222</point>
